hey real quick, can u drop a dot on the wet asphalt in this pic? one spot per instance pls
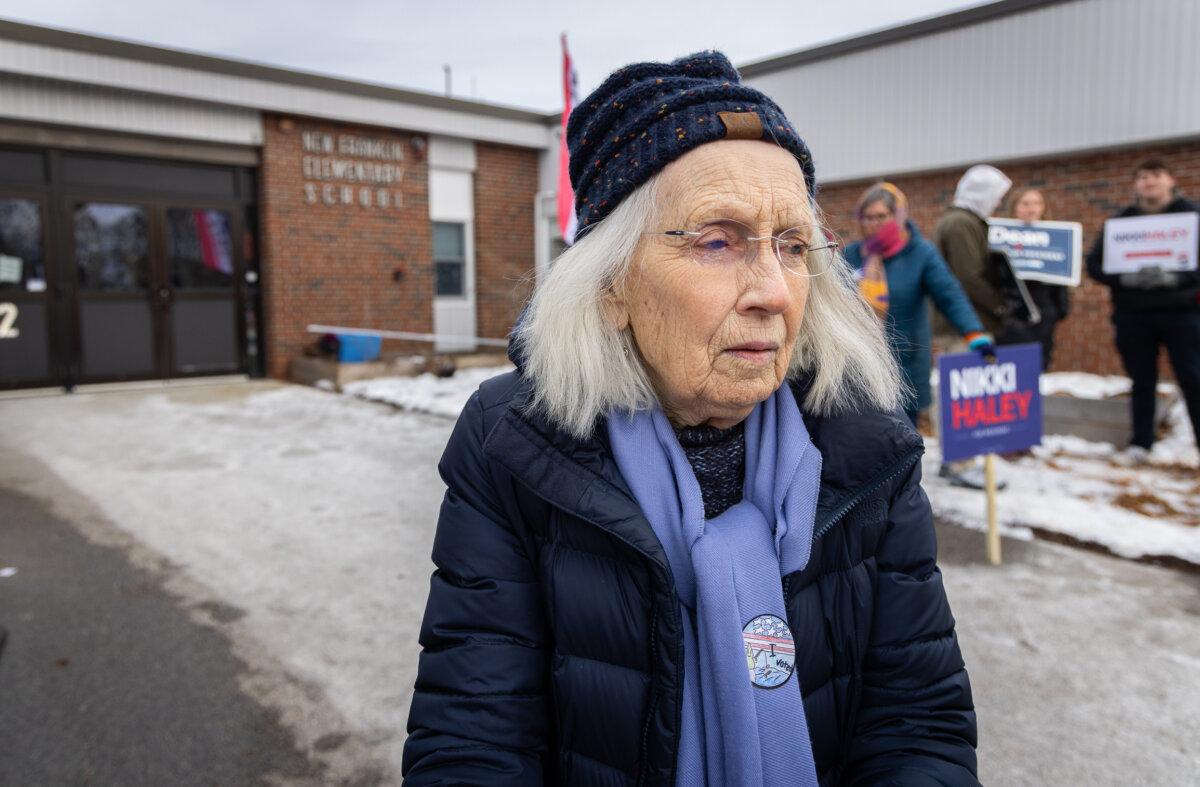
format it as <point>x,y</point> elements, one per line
<point>106,679</point>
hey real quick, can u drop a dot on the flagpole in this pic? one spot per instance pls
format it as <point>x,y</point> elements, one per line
<point>566,197</point>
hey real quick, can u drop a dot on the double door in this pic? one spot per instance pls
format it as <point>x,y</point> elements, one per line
<point>155,289</point>
<point>133,279</point>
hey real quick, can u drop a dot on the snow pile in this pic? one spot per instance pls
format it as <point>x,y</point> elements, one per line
<point>1178,445</point>
<point>1072,487</point>
<point>1084,386</point>
<point>426,393</point>
<point>1081,385</point>
<point>1136,513</point>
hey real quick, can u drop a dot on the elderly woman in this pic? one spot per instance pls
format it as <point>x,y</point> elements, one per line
<point>685,543</point>
<point>899,272</point>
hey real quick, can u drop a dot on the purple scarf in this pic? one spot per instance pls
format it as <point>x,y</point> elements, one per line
<point>743,713</point>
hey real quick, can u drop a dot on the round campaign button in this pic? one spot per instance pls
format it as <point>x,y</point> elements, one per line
<point>770,651</point>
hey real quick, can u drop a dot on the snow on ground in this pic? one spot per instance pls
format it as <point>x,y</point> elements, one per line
<point>1144,512</point>
<point>444,396</point>
<point>313,513</point>
<point>1073,487</point>
<point>1090,386</point>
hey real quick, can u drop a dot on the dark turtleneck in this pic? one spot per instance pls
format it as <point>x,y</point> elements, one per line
<point>718,458</point>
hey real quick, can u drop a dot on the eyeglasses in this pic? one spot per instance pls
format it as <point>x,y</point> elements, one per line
<point>726,243</point>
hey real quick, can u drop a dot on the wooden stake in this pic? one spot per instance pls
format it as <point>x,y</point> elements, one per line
<point>993,525</point>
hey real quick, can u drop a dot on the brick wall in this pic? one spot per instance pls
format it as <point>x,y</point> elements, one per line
<point>1086,188</point>
<point>506,180</point>
<point>334,264</point>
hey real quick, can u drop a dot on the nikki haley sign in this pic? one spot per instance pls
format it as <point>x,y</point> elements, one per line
<point>990,408</point>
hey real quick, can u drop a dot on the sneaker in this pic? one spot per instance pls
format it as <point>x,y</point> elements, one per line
<point>971,477</point>
<point>1133,456</point>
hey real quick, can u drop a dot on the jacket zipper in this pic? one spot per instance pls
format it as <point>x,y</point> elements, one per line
<point>902,465</point>
<point>653,707</point>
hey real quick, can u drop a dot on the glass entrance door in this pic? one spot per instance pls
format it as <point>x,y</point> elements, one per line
<point>156,290</point>
<point>25,345</point>
<point>116,299</point>
<point>201,265</point>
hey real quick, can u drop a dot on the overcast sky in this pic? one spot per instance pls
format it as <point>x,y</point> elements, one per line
<point>505,51</point>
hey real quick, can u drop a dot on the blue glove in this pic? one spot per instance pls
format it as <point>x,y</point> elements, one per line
<point>984,344</point>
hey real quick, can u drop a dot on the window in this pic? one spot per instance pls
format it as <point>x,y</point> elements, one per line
<point>21,262</point>
<point>449,258</point>
<point>199,249</point>
<point>112,245</point>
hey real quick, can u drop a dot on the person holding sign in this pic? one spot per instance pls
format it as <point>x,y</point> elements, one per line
<point>1052,301</point>
<point>962,238</point>
<point>898,272</point>
<point>1150,269</point>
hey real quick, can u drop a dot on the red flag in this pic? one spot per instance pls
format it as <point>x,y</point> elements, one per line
<point>566,197</point>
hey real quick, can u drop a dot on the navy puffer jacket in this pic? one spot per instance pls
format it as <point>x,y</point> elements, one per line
<point>552,647</point>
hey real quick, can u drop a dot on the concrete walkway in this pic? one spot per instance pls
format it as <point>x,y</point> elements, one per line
<point>295,526</point>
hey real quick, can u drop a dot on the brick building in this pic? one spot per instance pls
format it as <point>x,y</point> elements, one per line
<point>1087,188</point>
<point>1064,95</point>
<point>165,214</point>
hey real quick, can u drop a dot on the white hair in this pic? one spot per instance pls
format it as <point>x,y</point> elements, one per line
<point>582,367</point>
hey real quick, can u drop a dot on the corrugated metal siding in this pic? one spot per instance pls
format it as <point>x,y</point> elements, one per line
<point>118,73</point>
<point>1068,77</point>
<point>43,101</point>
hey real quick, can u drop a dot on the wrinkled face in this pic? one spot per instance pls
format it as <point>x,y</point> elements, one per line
<point>717,340</point>
<point>1153,187</point>
<point>1030,207</point>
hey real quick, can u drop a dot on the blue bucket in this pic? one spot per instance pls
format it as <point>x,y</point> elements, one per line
<point>353,348</point>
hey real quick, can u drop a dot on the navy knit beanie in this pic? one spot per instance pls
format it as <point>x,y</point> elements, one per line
<point>646,115</point>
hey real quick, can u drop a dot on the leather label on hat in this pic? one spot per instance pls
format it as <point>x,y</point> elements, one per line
<point>741,125</point>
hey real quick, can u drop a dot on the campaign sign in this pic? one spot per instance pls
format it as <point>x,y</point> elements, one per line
<point>1049,251</point>
<point>990,408</point>
<point>1165,240</point>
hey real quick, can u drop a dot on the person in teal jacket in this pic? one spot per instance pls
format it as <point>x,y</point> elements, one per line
<point>898,272</point>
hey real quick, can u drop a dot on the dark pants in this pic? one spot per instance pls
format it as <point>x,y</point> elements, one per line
<point>1139,335</point>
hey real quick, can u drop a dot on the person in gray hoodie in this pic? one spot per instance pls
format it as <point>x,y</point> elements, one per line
<point>962,238</point>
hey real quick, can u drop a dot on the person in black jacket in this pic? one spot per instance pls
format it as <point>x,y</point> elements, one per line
<point>685,541</point>
<point>1052,300</point>
<point>1153,308</point>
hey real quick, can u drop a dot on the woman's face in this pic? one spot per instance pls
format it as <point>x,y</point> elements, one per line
<point>1030,207</point>
<point>874,216</point>
<point>718,340</point>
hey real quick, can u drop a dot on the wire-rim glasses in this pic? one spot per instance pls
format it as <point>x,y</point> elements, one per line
<point>727,243</point>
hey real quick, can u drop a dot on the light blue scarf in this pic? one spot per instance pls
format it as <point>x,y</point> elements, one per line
<point>743,714</point>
